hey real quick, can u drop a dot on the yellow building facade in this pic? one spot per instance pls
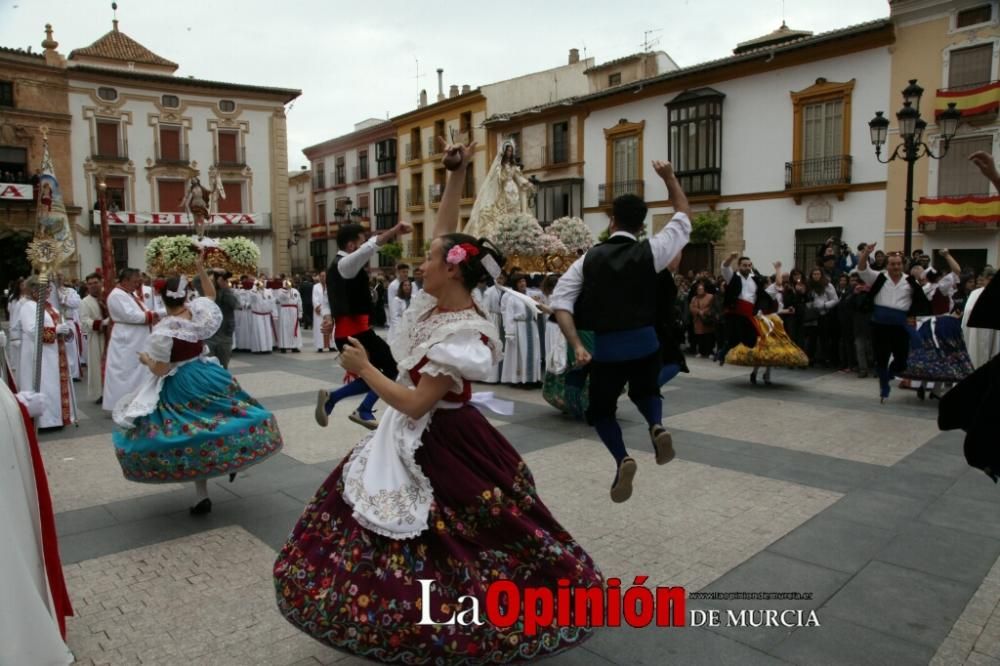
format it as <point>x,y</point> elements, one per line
<point>422,177</point>
<point>952,49</point>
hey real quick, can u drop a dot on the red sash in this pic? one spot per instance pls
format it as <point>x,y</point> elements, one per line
<point>296,333</point>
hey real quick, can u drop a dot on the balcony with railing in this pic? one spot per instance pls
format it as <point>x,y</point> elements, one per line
<point>360,173</point>
<point>173,155</point>
<point>231,159</point>
<point>701,182</point>
<point>608,192</point>
<point>819,175</point>
<point>434,193</point>
<point>319,180</point>
<point>107,153</point>
<point>413,151</point>
<point>415,198</point>
<point>433,146</point>
<point>976,101</point>
<point>385,166</point>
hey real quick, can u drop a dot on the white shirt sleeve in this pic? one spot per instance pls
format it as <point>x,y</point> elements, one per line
<point>868,275</point>
<point>727,273</point>
<point>568,287</point>
<point>352,264</point>
<point>670,240</point>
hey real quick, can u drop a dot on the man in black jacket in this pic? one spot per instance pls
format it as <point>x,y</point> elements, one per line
<point>351,308</point>
<point>611,290</point>
<point>745,296</point>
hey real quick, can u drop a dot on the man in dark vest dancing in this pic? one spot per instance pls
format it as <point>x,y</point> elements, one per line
<point>351,307</point>
<point>612,291</point>
<point>892,298</point>
<point>745,296</point>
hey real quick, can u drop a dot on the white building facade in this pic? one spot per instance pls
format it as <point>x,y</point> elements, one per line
<point>778,135</point>
<point>146,132</point>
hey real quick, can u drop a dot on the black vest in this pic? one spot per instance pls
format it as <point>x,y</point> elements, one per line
<point>920,306</point>
<point>735,288</point>
<point>619,287</point>
<point>348,296</point>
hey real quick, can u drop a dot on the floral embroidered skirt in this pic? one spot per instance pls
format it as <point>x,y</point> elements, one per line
<point>359,592</point>
<point>203,426</point>
<point>938,353</point>
<point>569,391</point>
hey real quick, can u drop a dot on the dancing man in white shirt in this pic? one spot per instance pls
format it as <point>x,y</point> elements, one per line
<point>893,297</point>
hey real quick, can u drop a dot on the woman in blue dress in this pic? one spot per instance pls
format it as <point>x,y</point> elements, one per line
<point>190,420</point>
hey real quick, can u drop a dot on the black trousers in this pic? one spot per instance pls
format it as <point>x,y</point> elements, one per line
<point>378,352</point>
<point>894,341</point>
<point>607,379</point>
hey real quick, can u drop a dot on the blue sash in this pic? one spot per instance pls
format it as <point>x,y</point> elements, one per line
<point>625,345</point>
<point>888,316</point>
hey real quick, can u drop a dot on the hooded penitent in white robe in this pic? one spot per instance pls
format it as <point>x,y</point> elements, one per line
<point>131,325</point>
<point>95,322</point>
<point>56,383</point>
<point>289,303</point>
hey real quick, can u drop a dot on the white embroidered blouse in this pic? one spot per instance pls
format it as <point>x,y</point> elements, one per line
<point>388,491</point>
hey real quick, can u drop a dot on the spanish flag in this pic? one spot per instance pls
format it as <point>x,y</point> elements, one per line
<point>971,101</point>
<point>969,209</point>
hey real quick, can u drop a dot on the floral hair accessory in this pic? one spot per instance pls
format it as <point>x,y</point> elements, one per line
<point>459,253</point>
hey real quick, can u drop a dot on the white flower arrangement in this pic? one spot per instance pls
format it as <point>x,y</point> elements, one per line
<point>573,233</point>
<point>520,235</point>
<point>243,254</point>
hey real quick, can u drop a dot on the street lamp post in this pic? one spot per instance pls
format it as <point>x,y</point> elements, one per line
<point>911,130</point>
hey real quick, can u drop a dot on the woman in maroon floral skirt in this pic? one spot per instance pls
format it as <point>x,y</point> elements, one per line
<point>436,493</point>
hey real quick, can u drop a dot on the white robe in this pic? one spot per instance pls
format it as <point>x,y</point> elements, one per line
<point>14,341</point>
<point>396,309</point>
<point>29,632</point>
<point>522,361</point>
<point>289,303</point>
<point>981,343</point>
<point>51,379</point>
<point>321,302</point>
<point>94,323</point>
<point>241,317</point>
<point>153,301</point>
<point>67,304</point>
<point>123,373</point>
<point>262,323</point>
<point>492,301</point>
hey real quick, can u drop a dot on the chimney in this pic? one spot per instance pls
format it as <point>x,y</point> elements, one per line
<point>440,84</point>
<point>423,99</point>
<point>574,56</point>
<point>453,91</point>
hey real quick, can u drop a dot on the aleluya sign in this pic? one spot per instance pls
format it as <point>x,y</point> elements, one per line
<point>130,218</point>
<point>16,192</point>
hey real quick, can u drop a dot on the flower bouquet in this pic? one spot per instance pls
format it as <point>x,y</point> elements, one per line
<point>573,233</point>
<point>169,255</point>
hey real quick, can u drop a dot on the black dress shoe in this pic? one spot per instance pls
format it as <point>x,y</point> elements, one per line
<point>202,507</point>
<point>232,477</point>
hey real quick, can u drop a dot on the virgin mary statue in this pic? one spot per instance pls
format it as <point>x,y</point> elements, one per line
<point>504,193</point>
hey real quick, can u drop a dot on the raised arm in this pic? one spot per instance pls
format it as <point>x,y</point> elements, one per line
<point>864,272</point>
<point>457,160</point>
<point>952,264</point>
<point>987,165</point>
<point>668,243</point>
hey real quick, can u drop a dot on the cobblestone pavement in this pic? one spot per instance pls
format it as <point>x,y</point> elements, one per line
<point>805,486</point>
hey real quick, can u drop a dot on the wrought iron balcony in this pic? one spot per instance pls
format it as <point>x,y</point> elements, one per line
<point>823,174</point>
<point>181,156</point>
<point>700,182</point>
<point>415,198</point>
<point>608,192</point>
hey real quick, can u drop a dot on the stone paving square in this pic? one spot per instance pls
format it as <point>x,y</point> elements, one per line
<point>829,430</point>
<point>772,490</point>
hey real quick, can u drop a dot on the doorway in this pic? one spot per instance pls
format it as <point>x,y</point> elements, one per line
<point>809,243</point>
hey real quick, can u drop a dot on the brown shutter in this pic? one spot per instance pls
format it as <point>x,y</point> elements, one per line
<point>107,139</point>
<point>171,194</point>
<point>170,143</point>
<point>227,147</point>
<point>970,66</point>
<point>233,203</point>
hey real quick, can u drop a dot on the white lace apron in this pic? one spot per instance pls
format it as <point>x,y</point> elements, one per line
<point>384,485</point>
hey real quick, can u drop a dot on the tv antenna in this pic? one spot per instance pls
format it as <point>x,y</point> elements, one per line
<point>647,43</point>
<point>418,76</point>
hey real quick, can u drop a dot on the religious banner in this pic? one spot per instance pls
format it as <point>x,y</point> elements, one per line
<point>53,243</point>
<point>182,220</point>
<point>16,192</point>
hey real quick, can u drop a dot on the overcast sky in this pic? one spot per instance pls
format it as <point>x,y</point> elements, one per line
<point>354,60</point>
